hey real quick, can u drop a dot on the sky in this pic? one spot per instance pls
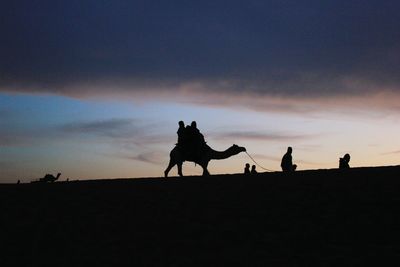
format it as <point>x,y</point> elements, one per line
<point>95,89</point>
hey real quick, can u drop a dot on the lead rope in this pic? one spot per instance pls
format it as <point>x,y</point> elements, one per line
<point>257,163</point>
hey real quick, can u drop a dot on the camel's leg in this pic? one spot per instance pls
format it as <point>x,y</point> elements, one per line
<point>205,170</point>
<point>179,164</point>
<point>170,166</point>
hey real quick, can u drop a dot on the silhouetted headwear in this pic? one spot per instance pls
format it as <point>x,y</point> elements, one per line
<point>286,163</point>
<point>344,162</point>
<point>253,169</point>
<point>247,169</point>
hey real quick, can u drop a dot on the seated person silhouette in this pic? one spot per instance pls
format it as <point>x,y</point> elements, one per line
<point>344,162</point>
<point>198,137</point>
<point>247,169</point>
<point>286,163</point>
<point>181,133</point>
<point>192,141</point>
<point>253,169</point>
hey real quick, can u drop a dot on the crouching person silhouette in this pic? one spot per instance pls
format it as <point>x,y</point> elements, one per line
<point>286,163</point>
<point>344,162</point>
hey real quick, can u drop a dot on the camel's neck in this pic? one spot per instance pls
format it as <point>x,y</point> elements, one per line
<point>222,154</point>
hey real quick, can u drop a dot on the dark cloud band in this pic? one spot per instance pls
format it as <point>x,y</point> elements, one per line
<point>278,48</point>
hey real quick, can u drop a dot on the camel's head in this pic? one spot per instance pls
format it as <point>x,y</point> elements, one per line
<point>237,149</point>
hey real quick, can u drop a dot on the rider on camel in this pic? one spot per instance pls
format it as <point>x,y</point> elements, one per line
<point>190,139</point>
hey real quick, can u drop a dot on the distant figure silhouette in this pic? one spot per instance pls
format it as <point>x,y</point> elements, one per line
<point>49,178</point>
<point>253,169</point>
<point>287,164</point>
<point>344,162</point>
<point>18,182</point>
<point>247,169</point>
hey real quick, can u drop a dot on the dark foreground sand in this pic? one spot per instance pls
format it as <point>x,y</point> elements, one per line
<point>324,217</point>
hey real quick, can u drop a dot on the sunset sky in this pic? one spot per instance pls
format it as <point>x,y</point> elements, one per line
<point>95,89</point>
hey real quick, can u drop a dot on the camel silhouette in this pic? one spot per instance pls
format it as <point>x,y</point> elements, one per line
<point>49,178</point>
<point>207,154</point>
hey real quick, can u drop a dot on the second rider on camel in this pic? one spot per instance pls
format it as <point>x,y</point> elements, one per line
<point>190,140</point>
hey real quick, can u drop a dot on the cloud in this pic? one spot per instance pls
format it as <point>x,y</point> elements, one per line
<point>4,165</point>
<point>9,139</point>
<point>4,113</point>
<point>15,133</point>
<point>128,133</point>
<point>114,128</point>
<point>125,133</point>
<point>259,136</point>
<point>148,157</point>
<point>267,50</point>
<point>391,152</point>
<point>8,115</point>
